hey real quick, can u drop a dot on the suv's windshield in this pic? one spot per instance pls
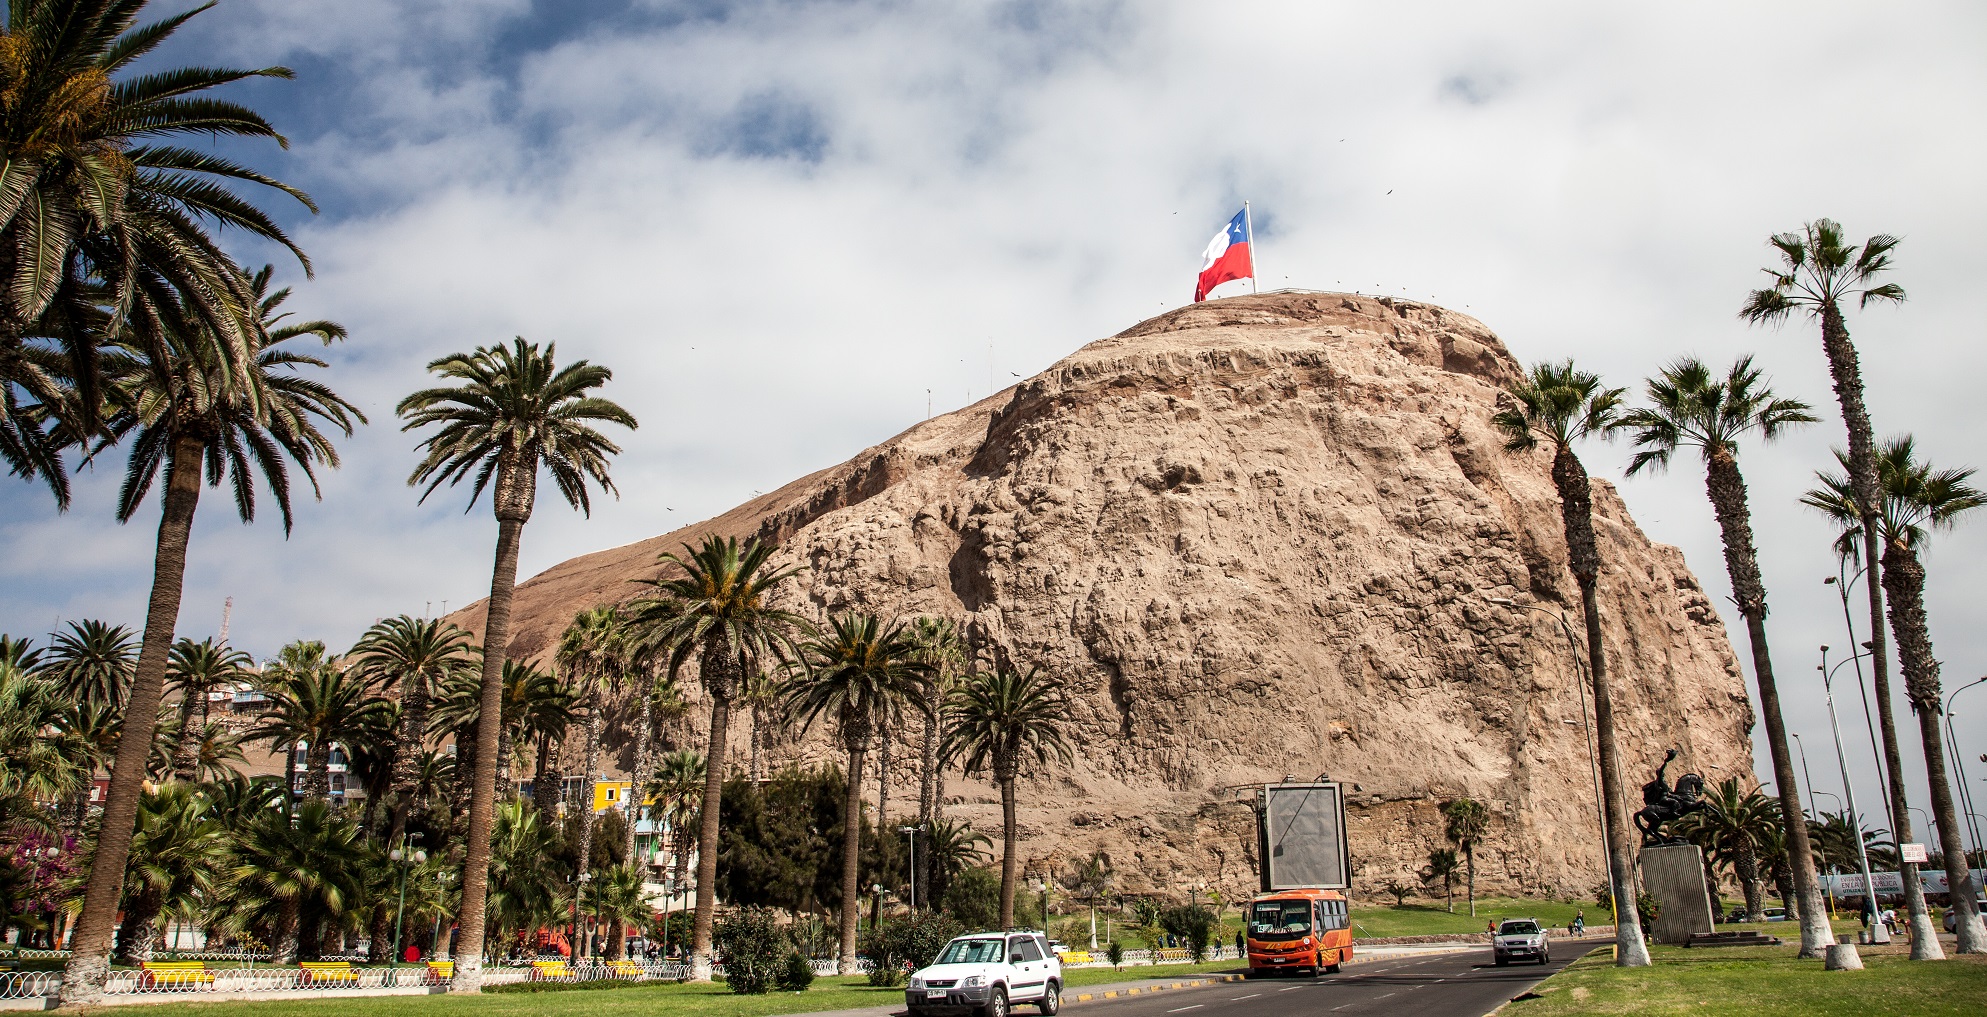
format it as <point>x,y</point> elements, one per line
<point>1518,929</point>
<point>1285,919</point>
<point>974,951</point>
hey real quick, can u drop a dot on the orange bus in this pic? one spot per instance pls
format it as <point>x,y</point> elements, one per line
<point>1299,930</point>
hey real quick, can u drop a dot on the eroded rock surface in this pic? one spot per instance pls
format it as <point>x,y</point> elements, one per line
<point>1258,537</point>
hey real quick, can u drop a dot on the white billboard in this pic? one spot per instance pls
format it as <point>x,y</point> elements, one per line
<point>1929,880</point>
<point>1301,833</point>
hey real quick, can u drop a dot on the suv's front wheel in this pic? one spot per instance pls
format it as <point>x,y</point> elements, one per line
<point>996,1004</point>
<point>1051,1000</point>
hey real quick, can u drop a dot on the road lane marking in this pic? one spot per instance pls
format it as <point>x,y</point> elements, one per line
<point>1251,995</point>
<point>1293,988</point>
<point>1184,1009</point>
<point>1384,997</point>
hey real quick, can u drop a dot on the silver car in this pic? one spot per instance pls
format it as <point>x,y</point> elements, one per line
<point>1520,939</point>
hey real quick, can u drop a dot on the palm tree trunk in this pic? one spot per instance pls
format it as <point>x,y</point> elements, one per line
<point>1847,375</point>
<point>592,763</point>
<point>506,748</point>
<point>472,916</point>
<point>283,944</point>
<point>316,784</point>
<point>1469,859</point>
<point>413,735</point>
<point>758,769</point>
<point>1576,510</point>
<point>1727,489</point>
<point>1746,868</point>
<point>186,753</point>
<point>1904,581</point>
<point>883,736</point>
<point>545,783</point>
<point>721,686</point>
<point>1010,842</point>
<point>845,963</point>
<point>928,780</point>
<point>89,966</point>
<point>644,738</point>
<point>139,929</point>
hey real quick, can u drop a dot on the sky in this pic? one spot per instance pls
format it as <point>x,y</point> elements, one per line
<point>790,228</point>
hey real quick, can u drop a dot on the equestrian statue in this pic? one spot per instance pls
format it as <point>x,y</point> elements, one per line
<point>1661,804</point>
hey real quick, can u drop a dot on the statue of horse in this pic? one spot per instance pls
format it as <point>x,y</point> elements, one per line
<point>1662,804</point>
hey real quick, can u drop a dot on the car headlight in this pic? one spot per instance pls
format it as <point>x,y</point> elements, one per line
<point>917,983</point>
<point>973,981</point>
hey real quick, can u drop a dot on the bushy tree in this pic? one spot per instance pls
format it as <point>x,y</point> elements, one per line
<point>909,943</point>
<point>1194,924</point>
<point>753,947</point>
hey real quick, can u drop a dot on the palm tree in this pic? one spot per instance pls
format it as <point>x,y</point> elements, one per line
<point>647,661</point>
<point>593,651</point>
<point>34,768</point>
<point>196,669</point>
<point>864,671</point>
<point>1917,499</point>
<point>1001,720</point>
<point>952,849</point>
<point>1093,877</point>
<point>1689,406</point>
<point>291,874</point>
<point>1465,821</point>
<point>513,412</point>
<point>92,663</point>
<point>617,899</point>
<point>187,406</point>
<point>315,702</point>
<point>678,789</point>
<point>1443,865</point>
<point>89,733</point>
<point>545,710</point>
<point>522,893</point>
<point>1736,824</point>
<point>415,656</point>
<point>106,215</point>
<point>1559,405</point>
<point>939,648</point>
<point>177,849</point>
<point>1819,272</point>
<point>722,615</point>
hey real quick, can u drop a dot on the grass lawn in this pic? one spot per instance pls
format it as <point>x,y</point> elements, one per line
<point>1424,919</point>
<point>1760,982</point>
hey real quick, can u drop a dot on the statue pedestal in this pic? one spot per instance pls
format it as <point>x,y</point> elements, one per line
<point>1674,875</point>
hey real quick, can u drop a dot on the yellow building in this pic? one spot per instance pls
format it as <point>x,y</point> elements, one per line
<point>610,794</point>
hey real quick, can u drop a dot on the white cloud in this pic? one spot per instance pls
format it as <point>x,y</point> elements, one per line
<point>782,223</point>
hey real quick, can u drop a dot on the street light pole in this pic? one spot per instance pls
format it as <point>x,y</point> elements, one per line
<point>403,858</point>
<point>913,832</point>
<point>1959,764</point>
<point>1580,668</point>
<point>1877,933</point>
<point>1806,777</point>
<point>1842,581</point>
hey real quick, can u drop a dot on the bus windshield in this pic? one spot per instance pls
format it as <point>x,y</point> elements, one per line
<point>1280,919</point>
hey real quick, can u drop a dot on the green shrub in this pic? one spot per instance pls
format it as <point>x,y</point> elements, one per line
<point>592,983</point>
<point>1115,953</point>
<point>973,899</point>
<point>912,942</point>
<point>1193,923</point>
<point>753,947</point>
<point>796,974</point>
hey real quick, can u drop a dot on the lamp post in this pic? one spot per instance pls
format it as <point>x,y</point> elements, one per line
<point>1806,777</point>
<point>1959,764</point>
<point>1877,933</point>
<point>442,879</point>
<point>579,893</point>
<point>912,831</point>
<point>1842,581</point>
<point>43,855</point>
<point>405,859</point>
<point>1580,666</point>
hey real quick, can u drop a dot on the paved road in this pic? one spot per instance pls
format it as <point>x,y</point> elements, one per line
<point>1446,985</point>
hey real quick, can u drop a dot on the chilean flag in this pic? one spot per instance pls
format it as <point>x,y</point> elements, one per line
<point>1227,257</point>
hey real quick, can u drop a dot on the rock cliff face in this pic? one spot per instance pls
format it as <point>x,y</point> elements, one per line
<point>1259,537</point>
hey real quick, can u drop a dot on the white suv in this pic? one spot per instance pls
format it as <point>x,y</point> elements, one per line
<point>986,973</point>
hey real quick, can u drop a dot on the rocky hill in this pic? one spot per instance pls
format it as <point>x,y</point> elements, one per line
<point>1258,536</point>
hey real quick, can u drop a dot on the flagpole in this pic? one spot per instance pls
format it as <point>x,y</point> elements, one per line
<point>1249,227</point>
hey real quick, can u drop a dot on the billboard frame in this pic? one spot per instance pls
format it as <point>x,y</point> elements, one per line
<point>1270,883</point>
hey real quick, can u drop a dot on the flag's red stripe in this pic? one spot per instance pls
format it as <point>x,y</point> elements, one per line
<point>1233,264</point>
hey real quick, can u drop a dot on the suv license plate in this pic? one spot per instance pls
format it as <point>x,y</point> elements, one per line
<point>935,994</point>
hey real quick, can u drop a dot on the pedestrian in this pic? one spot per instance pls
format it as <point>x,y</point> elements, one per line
<point>1866,912</point>
<point>1579,923</point>
<point>1890,920</point>
<point>1241,943</point>
<point>1490,928</point>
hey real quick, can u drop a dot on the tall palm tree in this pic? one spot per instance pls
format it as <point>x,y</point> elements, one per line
<point>197,669</point>
<point>1002,720</point>
<point>513,411</point>
<point>185,406</point>
<point>1690,406</point>
<point>105,216</point>
<point>722,616</point>
<point>414,656</point>
<point>941,649</point>
<point>617,900</point>
<point>1093,877</point>
<point>1736,824</point>
<point>1465,821</point>
<point>678,789</point>
<point>92,663</point>
<point>647,662</point>
<point>864,672</point>
<point>593,652</point>
<point>1820,270</point>
<point>953,848</point>
<point>315,702</point>
<point>545,710</point>
<point>1917,499</point>
<point>1559,405</point>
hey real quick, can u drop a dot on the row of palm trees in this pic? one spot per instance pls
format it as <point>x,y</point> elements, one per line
<point>1887,499</point>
